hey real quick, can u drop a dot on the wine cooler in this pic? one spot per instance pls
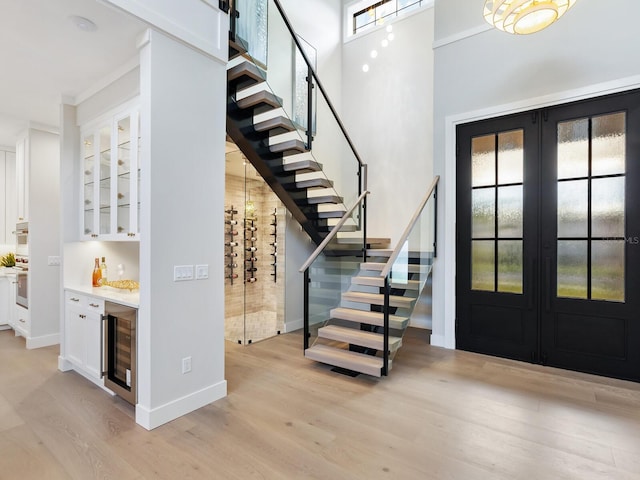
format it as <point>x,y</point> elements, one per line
<point>120,350</point>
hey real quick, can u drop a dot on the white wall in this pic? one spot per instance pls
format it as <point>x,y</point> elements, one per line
<point>44,237</point>
<point>183,98</point>
<point>590,51</point>
<point>388,112</point>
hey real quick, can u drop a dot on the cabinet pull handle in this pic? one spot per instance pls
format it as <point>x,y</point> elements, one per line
<point>21,320</point>
<point>94,305</point>
<point>82,316</point>
<point>74,299</point>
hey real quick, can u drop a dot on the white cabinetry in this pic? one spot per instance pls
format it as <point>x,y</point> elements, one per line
<point>22,321</point>
<point>22,178</point>
<point>110,178</point>
<point>5,301</point>
<point>8,214</point>
<point>83,333</point>
<point>11,280</point>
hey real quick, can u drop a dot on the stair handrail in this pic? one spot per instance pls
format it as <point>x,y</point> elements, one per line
<point>412,223</point>
<point>334,231</point>
<point>318,82</point>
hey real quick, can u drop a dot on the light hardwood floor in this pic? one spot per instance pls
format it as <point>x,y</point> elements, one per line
<point>439,415</point>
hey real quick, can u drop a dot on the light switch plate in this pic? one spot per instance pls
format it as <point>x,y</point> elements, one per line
<point>53,261</point>
<point>182,273</point>
<point>202,272</point>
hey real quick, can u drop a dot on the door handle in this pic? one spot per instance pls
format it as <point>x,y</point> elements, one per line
<point>547,280</point>
<point>532,280</point>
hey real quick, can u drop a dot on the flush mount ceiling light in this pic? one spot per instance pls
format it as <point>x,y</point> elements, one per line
<point>83,23</point>
<point>522,17</point>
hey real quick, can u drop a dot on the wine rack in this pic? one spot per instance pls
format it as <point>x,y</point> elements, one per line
<point>274,244</point>
<point>250,257</point>
<point>230,256</point>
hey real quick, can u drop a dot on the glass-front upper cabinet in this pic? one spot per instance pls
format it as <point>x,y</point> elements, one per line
<point>110,178</point>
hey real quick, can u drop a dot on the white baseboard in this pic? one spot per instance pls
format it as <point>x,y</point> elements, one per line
<point>152,418</point>
<point>293,326</point>
<point>437,341</point>
<point>43,341</point>
<point>64,365</point>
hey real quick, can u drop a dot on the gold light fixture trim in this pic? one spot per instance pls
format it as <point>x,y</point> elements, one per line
<point>522,17</point>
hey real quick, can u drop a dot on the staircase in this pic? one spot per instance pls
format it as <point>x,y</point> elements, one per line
<point>352,338</point>
<point>259,126</point>
<point>354,318</point>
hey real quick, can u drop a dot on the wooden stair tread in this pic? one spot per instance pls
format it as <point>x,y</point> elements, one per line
<point>276,125</point>
<point>371,318</point>
<point>375,266</point>
<point>344,228</point>
<point>261,98</point>
<point>358,240</point>
<point>319,200</point>
<point>237,47</point>
<point>377,299</point>
<point>327,214</point>
<point>358,337</point>
<point>289,147</point>
<point>248,70</point>
<point>303,166</point>
<point>338,357</point>
<point>378,281</point>
<point>306,184</point>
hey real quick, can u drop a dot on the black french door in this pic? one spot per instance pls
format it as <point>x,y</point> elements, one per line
<point>548,237</point>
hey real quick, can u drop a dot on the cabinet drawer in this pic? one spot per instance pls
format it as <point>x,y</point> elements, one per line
<point>23,320</point>
<point>95,305</point>
<point>72,298</point>
<point>84,302</point>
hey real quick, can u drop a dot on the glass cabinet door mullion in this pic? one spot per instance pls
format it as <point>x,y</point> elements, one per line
<point>113,200</point>
<point>134,166</point>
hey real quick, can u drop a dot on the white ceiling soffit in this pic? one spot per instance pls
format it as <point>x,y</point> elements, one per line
<point>44,56</point>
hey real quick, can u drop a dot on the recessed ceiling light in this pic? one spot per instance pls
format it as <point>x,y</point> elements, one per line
<point>365,68</point>
<point>374,53</point>
<point>83,23</point>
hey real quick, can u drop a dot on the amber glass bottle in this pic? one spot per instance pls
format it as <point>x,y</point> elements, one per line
<point>97,274</point>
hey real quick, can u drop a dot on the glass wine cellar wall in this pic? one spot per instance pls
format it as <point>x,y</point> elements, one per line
<point>254,254</point>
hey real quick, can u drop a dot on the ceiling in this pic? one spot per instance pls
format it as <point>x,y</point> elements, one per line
<point>44,56</point>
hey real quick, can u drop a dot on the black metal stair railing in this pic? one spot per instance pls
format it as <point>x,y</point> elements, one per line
<point>294,138</point>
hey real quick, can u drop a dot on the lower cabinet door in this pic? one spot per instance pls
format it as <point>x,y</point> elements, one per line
<point>75,336</point>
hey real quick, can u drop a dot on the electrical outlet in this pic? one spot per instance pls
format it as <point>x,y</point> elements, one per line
<point>202,272</point>
<point>186,365</point>
<point>182,273</point>
<point>53,261</point>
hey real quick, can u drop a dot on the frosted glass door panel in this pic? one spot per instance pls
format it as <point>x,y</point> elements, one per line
<point>573,208</point>
<point>573,149</point>
<point>572,268</point>
<point>609,144</point>
<point>483,212</point>
<point>591,208</point>
<point>483,167</point>
<point>510,157</point>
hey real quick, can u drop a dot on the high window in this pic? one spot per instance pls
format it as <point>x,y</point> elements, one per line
<point>366,15</point>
